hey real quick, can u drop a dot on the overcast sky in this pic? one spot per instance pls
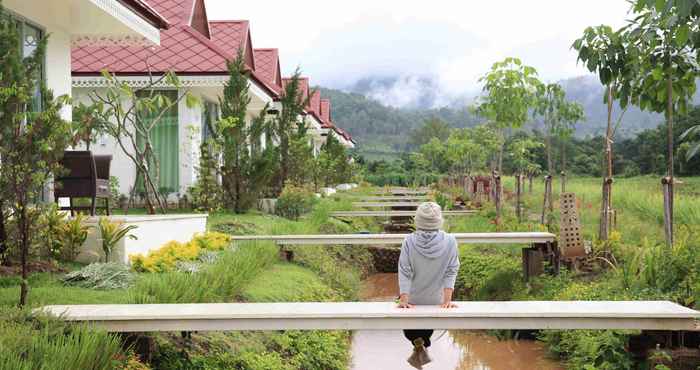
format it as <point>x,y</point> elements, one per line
<point>338,42</point>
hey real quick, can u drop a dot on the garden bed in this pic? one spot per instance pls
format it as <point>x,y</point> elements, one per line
<point>152,232</point>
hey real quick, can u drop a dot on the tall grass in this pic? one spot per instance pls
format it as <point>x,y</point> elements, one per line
<point>219,282</point>
<point>26,344</point>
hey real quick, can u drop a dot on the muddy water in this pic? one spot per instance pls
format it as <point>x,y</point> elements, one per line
<point>451,350</point>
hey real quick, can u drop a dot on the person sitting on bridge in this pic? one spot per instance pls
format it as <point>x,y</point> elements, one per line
<point>428,267</point>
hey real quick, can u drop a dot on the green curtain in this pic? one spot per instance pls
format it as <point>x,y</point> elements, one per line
<point>164,138</point>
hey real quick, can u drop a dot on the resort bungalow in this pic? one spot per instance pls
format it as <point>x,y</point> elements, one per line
<point>331,129</point>
<point>197,51</point>
<point>311,115</point>
<point>78,23</point>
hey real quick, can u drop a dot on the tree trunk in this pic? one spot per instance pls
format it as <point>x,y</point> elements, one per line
<point>563,166</point>
<point>24,246</point>
<point>530,176</point>
<point>606,201</point>
<point>547,207</point>
<point>518,191</point>
<point>548,144</point>
<point>669,161</point>
<point>3,236</point>
<point>497,198</point>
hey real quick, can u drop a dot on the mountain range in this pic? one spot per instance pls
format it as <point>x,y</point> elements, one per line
<point>381,112</point>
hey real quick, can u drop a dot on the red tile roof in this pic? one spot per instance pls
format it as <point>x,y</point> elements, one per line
<point>232,35</point>
<point>183,50</point>
<point>315,104</point>
<point>267,65</point>
<point>146,12</point>
<point>325,111</point>
<point>175,11</point>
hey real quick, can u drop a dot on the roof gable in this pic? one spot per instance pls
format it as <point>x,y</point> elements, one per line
<point>177,12</point>
<point>267,65</point>
<point>199,20</point>
<point>315,103</point>
<point>232,35</point>
<point>325,110</point>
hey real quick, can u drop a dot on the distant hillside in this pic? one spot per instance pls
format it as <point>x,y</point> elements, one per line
<point>382,130</point>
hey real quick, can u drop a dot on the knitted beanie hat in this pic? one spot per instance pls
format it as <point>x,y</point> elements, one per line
<point>429,216</point>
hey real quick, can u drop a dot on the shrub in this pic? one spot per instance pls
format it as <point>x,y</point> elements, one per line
<point>487,276</point>
<point>52,223</point>
<point>167,257</point>
<point>43,343</point>
<point>219,282</point>
<point>295,201</point>
<point>101,276</point>
<point>74,234</point>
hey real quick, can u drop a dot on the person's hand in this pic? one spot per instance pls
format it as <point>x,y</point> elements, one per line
<point>448,305</point>
<point>403,302</point>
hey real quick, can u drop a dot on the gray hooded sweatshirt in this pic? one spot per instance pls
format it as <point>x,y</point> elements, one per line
<point>429,263</point>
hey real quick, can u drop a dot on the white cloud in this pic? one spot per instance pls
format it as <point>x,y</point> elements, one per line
<point>338,42</point>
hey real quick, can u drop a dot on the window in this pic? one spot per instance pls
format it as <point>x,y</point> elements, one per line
<point>165,141</point>
<point>29,38</point>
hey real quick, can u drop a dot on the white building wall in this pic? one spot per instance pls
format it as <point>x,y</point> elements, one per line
<point>190,137</point>
<point>58,60</point>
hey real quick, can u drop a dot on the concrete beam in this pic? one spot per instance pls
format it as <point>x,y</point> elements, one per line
<point>393,198</point>
<point>633,315</point>
<point>385,204</point>
<point>395,213</point>
<point>395,239</point>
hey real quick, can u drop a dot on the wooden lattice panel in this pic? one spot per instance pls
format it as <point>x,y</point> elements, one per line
<point>570,238</point>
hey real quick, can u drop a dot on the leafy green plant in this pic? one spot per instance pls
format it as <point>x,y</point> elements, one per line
<point>112,232</point>
<point>74,233</point>
<point>294,202</point>
<point>111,275</point>
<point>52,224</point>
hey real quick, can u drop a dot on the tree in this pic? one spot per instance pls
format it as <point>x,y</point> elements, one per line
<point>522,152</point>
<point>288,124</point>
<point>693,147</point>
<point>605,53</point>
<point>432,128</point>
<point>571,114</point>
<point>232,134</point>
<point>435,153</point>
<point>551,102</point>
<point>130,117</point>
<point>665,67</point>
<point>509,93</point>
<point>32,139</point>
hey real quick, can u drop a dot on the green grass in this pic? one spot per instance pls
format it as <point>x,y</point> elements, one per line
<point>287,282</point>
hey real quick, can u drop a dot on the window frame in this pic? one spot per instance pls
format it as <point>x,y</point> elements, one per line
<point>23,22</point>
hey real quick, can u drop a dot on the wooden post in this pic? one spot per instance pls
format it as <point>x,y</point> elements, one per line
<point>547,206</point>
<point>666,184</point>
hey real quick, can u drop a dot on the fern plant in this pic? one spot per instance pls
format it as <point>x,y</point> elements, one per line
<point>112,233</point>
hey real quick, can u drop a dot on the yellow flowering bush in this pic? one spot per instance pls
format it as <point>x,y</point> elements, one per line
<point>166,258</point>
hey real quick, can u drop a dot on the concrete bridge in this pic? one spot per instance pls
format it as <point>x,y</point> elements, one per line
<point>633,315</point>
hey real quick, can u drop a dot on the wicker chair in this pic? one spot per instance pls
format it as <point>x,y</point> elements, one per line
<point>86,176</point>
